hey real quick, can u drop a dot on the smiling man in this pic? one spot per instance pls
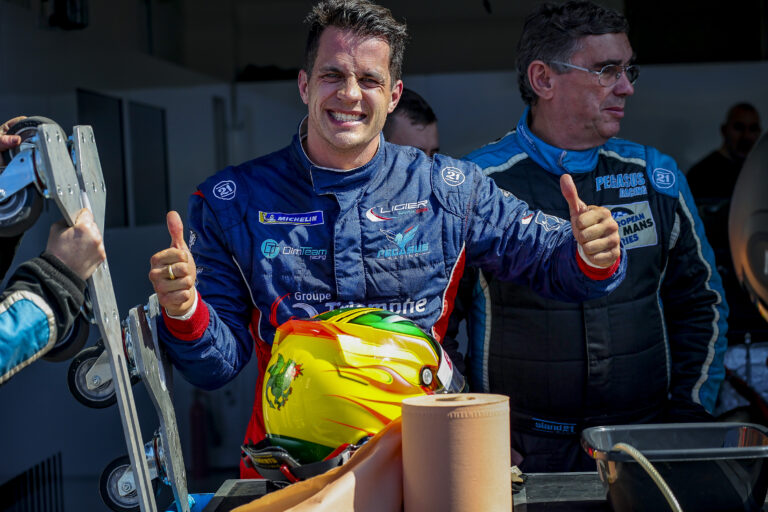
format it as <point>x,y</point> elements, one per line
<point>652,351</point>
<point>342,218</point>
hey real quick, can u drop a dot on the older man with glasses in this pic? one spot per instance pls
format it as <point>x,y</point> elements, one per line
<point>651,352</point>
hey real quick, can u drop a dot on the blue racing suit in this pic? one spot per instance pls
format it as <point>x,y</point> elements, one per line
<point>653,349</point>
<point>279,237</point>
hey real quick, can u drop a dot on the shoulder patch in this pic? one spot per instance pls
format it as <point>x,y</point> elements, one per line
<point>225,190</point>
<point>663,178</point>
<point>452,176</point>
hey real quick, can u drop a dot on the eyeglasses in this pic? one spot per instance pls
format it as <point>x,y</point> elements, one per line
<point>610,74</point>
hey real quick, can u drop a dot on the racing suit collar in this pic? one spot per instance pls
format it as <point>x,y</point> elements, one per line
<point>326,180</point>
<point>553,159</point>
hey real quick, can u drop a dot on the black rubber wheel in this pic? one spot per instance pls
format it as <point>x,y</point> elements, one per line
<point>71,343</point>
<point>109,492</point>
<point>99,398</point>
<point>19,212</point>
<point>26,129</point>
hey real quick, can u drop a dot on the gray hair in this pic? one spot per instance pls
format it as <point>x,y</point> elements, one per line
<point>553,32</point>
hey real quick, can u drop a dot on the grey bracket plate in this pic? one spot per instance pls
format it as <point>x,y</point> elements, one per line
<point>57,170</point>
<point>62,180</point>
<point>157,375</point>
<point>89,170</point>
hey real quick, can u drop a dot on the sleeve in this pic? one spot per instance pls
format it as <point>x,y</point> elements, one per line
<point>695,312</point>
<point>216,352</point>
<point>514,243</point>
<point>41,302</point>
<point>459,314</point>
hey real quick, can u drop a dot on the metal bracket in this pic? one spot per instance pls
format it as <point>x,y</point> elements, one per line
<point>19,173</point>
<point>98,374</point>
<point>157,375</point>
<point>64,180</point>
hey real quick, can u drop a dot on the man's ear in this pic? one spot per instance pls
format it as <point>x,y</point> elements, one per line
<point>303,84</point>
<point>397,91</point>
<point>541,78</point>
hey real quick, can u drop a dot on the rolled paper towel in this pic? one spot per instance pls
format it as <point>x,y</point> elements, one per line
<point>456,455</point>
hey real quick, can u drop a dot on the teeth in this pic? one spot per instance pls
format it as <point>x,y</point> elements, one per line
<point>346,117</point>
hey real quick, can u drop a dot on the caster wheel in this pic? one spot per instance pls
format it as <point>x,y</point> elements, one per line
<point>103,395</point>
<point>71,343</point>
<point>26,129</point>
<point>98,398</point>
<point>19,212</point>
<point>125,500</point>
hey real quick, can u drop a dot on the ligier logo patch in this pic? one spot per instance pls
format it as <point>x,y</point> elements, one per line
<point>295,219</point>
<point>225,190</point>
<point>389,212</point>
<point>637,227</point>
<point>279,385</point>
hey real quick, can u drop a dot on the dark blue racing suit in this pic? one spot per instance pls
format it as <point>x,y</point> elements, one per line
<point>279,237</point>
<point>652,350</point>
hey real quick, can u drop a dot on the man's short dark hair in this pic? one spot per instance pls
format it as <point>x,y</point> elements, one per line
<point>748,107</point>
<point>554,31</point>
<point>413,107</point>
<point>361,17</point>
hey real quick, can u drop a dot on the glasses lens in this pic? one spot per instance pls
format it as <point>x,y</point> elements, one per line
<point>632,74</point>
<point>609,75</point>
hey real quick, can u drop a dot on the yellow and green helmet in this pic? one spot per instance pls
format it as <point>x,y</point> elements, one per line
<point>339,377</point>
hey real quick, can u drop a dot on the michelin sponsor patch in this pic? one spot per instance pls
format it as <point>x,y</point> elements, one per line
<point>294,219</point>
<point>637,226</point>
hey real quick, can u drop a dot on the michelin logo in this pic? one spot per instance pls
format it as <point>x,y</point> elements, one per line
<point>295,219</point>
<point>637,226</point>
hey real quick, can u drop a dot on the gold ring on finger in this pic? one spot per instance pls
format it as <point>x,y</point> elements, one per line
<point>171,275</point>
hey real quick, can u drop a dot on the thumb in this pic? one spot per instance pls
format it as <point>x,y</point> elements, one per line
<point>176,230</point>
<point>84,216</point>
<point>568,188</point>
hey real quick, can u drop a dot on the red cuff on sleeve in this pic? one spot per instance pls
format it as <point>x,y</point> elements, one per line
<point>194,327</point>
<point>594,273</point>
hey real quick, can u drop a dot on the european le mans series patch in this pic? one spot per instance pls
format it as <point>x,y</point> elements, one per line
<point>637,226</point>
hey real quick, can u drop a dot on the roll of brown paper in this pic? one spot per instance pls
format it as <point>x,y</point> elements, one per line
<point>456,455</point>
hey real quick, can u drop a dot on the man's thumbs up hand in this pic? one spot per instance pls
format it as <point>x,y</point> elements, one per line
<point>593,227</point>
<point>173,272</point>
